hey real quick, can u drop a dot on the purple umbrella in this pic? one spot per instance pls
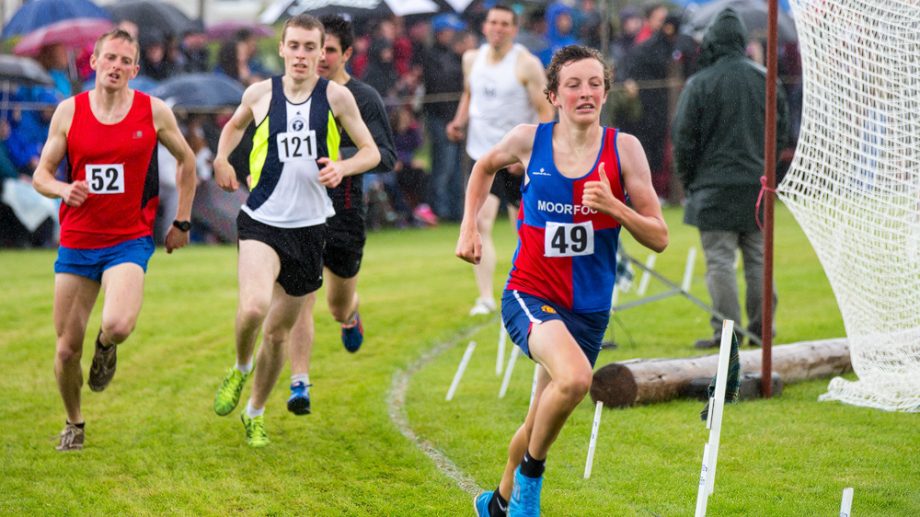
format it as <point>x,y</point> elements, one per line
<point>227,30</point>
<point>76,33</point>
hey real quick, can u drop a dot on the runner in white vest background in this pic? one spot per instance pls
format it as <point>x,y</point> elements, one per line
<point>503,86</point>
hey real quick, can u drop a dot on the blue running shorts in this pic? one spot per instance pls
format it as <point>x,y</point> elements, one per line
<point>521,311</point>
<point>91,263</point>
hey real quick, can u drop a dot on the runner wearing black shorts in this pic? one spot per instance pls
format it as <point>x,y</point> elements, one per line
<point>345,231</point>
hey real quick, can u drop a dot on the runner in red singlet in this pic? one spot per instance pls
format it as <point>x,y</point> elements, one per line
<point>109,136</point>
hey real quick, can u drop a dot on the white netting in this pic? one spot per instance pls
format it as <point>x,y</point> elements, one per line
<point>854,186</point>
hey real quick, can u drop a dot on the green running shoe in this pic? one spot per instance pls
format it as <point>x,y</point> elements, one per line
<point>228,393</point>
<point>255,430</point>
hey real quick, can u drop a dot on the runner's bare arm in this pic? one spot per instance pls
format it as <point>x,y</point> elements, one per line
<point>644,220</point>
<point>232,133</point>
<point>53,153</point>
<point>514,147</point>
<point>457,126</point>
<point>533,77</point>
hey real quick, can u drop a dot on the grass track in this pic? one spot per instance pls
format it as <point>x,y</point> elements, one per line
<point>154,445</point>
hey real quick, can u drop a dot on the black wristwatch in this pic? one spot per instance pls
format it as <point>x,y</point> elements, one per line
<point>183,225</point>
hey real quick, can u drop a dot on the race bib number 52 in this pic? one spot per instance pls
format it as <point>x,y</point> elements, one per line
<point>106,179</point>
<point>568,239</point>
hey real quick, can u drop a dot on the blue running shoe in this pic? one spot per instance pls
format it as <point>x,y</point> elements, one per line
<point>525,496</point>
<point>353,335</point>
<point>481,504</point>
<point>299,403</point>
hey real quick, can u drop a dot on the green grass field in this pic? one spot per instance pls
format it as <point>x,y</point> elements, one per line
<point>155,446</point>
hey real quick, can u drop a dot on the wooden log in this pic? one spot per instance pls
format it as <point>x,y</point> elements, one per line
<point>642,381</point>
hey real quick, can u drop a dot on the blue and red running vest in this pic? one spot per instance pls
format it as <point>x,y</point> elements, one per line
<point>566,251</point>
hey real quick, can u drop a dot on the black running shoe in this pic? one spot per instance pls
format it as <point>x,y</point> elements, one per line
<point>103,367</point>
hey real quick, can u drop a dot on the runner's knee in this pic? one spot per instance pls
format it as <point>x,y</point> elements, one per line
<point>575,385</point>
<point>69,352</point>
<point>274,338</point>
<point>117,330</point>
<point>252,312</point>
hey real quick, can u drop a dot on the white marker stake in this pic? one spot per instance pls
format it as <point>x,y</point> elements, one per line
<point>688,270</point>
<point>702,492</point>
<point>719,403</point>
<point>460,369</point>
<point>502,335</point>
<point>847,502</point>
<point>714,422</point>
<point>646,276</point>
<point>515,352</point>
<point>533,387</point>
<point>593,443</point>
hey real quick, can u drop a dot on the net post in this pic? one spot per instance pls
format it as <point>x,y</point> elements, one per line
<point>766,371</point>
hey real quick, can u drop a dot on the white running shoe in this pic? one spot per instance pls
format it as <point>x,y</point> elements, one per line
<point>483,307</point>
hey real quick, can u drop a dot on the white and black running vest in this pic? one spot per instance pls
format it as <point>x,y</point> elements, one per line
<point>286,191</point>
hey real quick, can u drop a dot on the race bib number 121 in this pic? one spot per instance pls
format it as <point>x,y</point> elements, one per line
<point>297,146</point>
<point>106,179</point>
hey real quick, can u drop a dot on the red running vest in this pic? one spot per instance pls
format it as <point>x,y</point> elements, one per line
<point>118,163</point>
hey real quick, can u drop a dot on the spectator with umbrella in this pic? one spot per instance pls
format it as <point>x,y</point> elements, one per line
<point>193,49</point>
<point>55,58</point>
<point>155,62</point>
<point>55,45</point>
<point>24,218</point>
<point>236,59</point>
<point>30,125</point>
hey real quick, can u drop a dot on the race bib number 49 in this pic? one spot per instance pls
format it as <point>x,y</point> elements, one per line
<point>106,179</point>
<point>297,146</point>
<point>568,239</point>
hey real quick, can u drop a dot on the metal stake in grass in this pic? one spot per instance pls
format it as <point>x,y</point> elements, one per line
<point>643,282</point>
<point>688,270</point>
<point>847,502</point>
<point>460,369</point>
<point>502,335</point>
<point>515,352</point>
<point>533,387</point>
<point>714,422</point>
<point>593,443</point>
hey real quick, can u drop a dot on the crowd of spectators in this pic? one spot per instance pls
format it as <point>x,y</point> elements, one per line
<point>414,62</point>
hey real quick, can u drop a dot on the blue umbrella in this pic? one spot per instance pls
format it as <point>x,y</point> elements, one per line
<point>199,91</point>
<point>35,14</point>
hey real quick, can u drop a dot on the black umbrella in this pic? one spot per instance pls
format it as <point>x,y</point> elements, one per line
<point>355,9</point>
<point>152,15</point>
<point>752,12</point>
<point>23,70</point>
<point>199,91</point>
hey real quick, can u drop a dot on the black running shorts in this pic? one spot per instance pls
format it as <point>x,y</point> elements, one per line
<point>299,249</point>
<point>345,238</point>
<point>507,187</point>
